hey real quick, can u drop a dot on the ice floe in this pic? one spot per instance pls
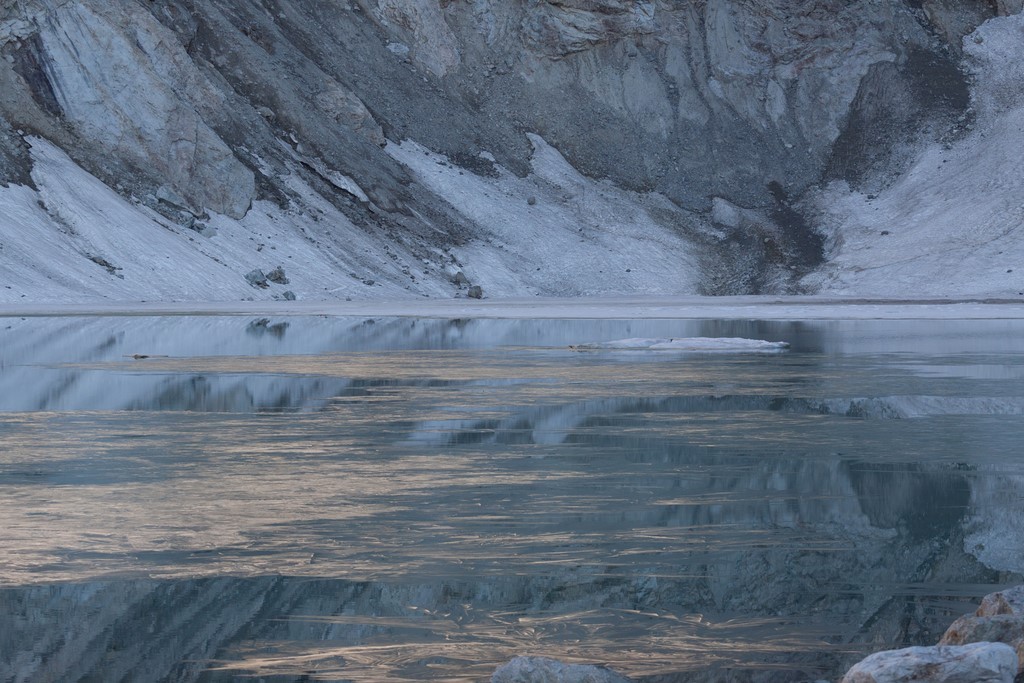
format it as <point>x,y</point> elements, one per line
<point>693,344</point>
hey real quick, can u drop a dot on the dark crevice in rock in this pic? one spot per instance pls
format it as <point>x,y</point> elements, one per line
<point>30,64</point>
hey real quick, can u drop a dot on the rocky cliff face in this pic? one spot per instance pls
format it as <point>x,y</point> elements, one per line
<point>728,111</point>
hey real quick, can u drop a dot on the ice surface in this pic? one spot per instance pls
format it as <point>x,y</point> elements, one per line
<point>609,308</point>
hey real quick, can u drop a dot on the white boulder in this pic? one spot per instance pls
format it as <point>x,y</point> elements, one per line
<point>974,663</point>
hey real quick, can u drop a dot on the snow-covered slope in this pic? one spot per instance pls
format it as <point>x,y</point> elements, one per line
<point>953,224</point>
<point>75,239</point>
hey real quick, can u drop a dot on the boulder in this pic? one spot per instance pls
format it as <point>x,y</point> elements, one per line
<point>257,278</point>
<point>999,619</point>
<point>1009,601</point>
<point>475,292</point>
<point>545,670</point>
<point>974,663</point>
<point>277,276</point>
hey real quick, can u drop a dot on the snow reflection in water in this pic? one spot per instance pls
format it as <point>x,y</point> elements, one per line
<point>452,493</point>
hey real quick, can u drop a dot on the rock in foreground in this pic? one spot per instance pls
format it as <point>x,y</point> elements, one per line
<point>999,619</point>
<point>974,663</point>
<point>545,670</point>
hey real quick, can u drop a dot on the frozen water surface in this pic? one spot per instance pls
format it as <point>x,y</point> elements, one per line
<point>321,498</point>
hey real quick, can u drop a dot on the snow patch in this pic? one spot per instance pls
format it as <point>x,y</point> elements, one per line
<point>557,231</point>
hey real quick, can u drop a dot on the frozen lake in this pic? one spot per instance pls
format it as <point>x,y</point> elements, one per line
<point>357,499</point>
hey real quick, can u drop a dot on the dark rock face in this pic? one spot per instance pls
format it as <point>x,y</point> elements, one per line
<point>696,100</point>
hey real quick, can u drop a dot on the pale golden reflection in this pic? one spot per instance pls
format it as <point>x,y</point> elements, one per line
<point>426,513</point>
<point>456,642</point>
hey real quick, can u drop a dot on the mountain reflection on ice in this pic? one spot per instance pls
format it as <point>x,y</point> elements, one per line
<point>421,500</point>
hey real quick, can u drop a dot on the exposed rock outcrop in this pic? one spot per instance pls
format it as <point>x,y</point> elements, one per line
<point>122,82</point>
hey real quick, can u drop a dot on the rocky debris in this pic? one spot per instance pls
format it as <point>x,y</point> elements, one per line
<point>953,19</point>
<point>974,663</point>
<point>990,56</point>
<point>999,619</point>
<point>289,295</point>
<point>545,670</point>
<point>277,276</point>
<point>15,165</point>
<point>1007,7</point>
<point>475,292</point>
<point>563,27</point>
<point>434,45</point>
<point>257,278</point>
<point>342,106</point>
<point>977,648</point>
<point>111,268</point>
<point>460,279</point>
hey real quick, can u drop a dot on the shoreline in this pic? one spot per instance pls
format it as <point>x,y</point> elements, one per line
<point>646,308</point>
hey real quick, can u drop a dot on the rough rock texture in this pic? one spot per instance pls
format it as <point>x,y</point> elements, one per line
<point>999,619</point>
<point>1009,602</point>
<point>545,670</point>
<point>222,103</point>
<point>112,73</point>
<point>976,663</point>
